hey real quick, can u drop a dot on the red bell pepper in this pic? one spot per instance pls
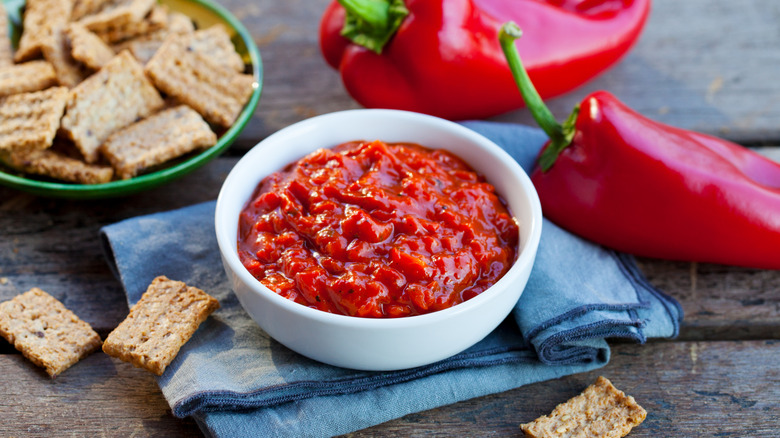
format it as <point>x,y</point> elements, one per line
<point>442,57</point>
<point>624,181</point>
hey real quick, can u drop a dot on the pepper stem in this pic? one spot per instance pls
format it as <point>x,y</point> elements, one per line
<point>560,135</point>
<point>371,23</point>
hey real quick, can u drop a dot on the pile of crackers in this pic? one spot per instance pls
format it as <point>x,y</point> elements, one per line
<point>100,90</point>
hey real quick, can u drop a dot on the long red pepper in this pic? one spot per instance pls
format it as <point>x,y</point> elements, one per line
<point>442,57</point>
<point>622,180</point>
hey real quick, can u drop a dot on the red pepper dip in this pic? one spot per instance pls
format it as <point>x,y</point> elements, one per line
<point>377,230</point>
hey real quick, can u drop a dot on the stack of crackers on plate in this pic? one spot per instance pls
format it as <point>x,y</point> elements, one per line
<point>100,90</point>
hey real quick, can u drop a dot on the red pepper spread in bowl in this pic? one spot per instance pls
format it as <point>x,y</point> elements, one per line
<point>371,229</point>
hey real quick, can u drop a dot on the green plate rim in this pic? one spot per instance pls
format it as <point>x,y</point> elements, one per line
<point>162,176</point>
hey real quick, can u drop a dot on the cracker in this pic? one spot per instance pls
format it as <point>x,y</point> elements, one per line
<point>40,17</point>
<point>86,7</point>
<point>117,13</point>
<point>56,163</point>
<point>600,411</point>
<point>155,20</point>
<point>143,47</point>
<point>6,50</point>
<point>112,98</point>
<point>27,77</point>
<point>87,47</point>
<point>47,333</point>
<point>159,324</point>
<point>56,49</point>
<point>30,120</point>
<point>215,91</point>
<point>216,41</point>
<point>157,139</point>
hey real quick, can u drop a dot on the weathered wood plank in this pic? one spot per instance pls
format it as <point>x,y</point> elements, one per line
<point>726,389</point>
<point>98,397</point>
<point>706,65</point>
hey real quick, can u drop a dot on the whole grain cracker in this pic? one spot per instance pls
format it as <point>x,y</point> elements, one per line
<point>117,13</point>
<point>155,20</point>
<point>26,77</point>
<point>86,7</point>
<point>30,120</point>
<point>45,331</point>
<point>40,17</point>
<point>87,47</point>
<point>157,139</point>
<point>112,98</point>
<point>216,41</point>
<point>57,164</point>
<point>6,50</point>
<point>57,50</point>
<point>143,47</point>
<point>600,411</point>
<point>180,70</point>
<point>159,324</point>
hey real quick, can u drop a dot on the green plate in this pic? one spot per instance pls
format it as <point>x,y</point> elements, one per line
<point>204,13</point>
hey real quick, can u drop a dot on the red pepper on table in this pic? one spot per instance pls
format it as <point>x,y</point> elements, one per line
<point>442,57</point>
<point>624,181</point>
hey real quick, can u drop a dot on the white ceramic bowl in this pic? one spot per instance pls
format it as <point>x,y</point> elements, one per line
<point>378,344</point>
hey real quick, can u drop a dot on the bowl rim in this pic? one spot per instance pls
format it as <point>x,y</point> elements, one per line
<point>162,176</point>
<point>526,255</point>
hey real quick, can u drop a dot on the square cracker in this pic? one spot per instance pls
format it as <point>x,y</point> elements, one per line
<point>87,47</point>
<point>58,164</point>
<point>143,47</point>
<point>600,411</point>
<point>117,13</point>
<point>45,331</point>
<point>159,324</point>
<point>112,98</point>
<point>40,17</point>
<point>30,120</point>
<point>27,77</point>
<point>188,74</point>
<point>156,19</point>
<point>57,51</point>
<point>157,139</point>
<point>86,7</point>
<point>6,50</point>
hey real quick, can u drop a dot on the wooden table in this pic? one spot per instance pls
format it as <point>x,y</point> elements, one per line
<point>708,65</point>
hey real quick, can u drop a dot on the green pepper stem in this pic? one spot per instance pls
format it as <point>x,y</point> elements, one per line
<point>560,135</point>
<point>371,23</point>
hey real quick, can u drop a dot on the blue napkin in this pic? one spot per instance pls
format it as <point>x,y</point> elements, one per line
<point>236,381</point>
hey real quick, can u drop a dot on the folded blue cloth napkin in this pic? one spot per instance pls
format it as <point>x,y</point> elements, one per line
<point>236,381</point>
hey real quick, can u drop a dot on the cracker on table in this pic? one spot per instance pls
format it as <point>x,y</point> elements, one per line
<point>6,50</point>
<point>116,13</point>
<point>192,77</point>
<point>87,47</point>
<point>45,331</point>
<point>112,98</point>
<point>600,411</point>
<point>30,120</point>
<point>40,17</point>
<point>159,324</point>
<point>57,163</point>
<point>26,77</point>
<point>155,20</point>
<point>157,139</point>
<point>57,51</point>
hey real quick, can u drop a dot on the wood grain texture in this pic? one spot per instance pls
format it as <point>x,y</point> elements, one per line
<point>723,389</point>
<point>97,397</point>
